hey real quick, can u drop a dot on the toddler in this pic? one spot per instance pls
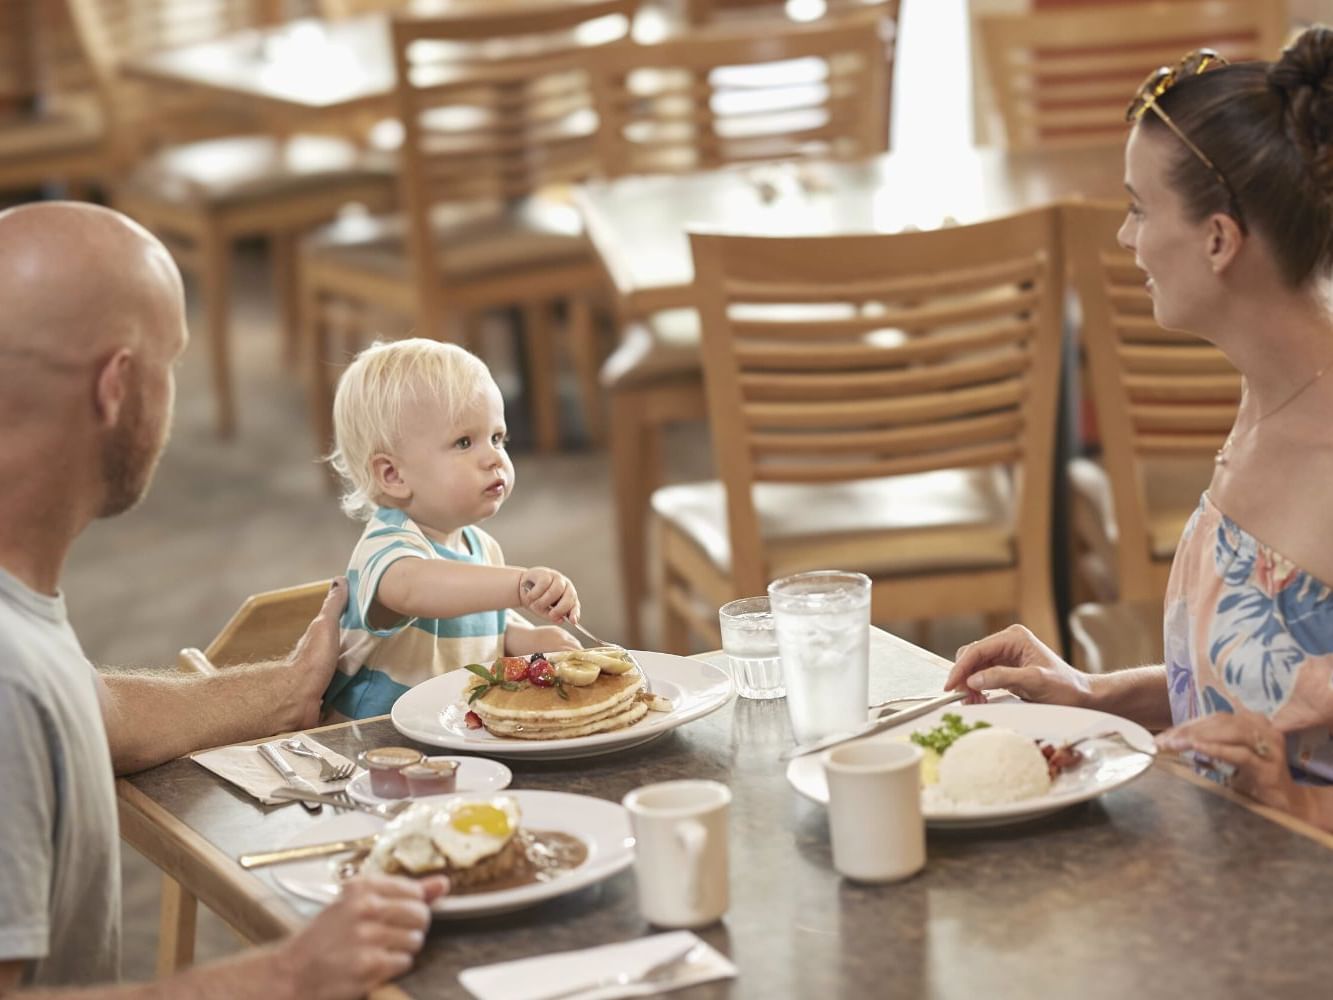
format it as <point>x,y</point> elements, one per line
<point>420,446</point>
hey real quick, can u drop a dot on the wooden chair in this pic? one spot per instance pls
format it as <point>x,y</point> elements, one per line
<point>714,11</point>
<point>265,627</point>
<point>1062,77</point>
<point>497,112</point>
<point>201,197</point>
<point>719,95</point>
<point>49,132</point>
<point>882,403</point>
<point>1111,637</point>
<point>1164,403</point>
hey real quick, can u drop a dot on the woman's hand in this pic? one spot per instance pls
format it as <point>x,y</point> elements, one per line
<point>1249,742</point>
<point>1016,659</point>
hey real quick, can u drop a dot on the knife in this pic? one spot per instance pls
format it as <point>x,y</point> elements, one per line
<point>270,753</point>
<point>309,851</point>
<point>876,725</point>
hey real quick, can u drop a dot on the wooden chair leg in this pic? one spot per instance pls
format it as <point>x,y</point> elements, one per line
<point>176,933</point>
<point>543,376</point>
<point>675,637</point>
<point>215,279</point>
<point>629,472</point>
<point>287,294</point>
<point>318,348</point>
<point>587,364</point>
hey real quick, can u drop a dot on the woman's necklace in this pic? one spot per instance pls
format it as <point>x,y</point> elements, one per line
<point>1221,457</point>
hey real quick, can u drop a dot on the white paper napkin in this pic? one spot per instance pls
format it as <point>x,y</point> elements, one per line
<point>244,767</point>
<point>535,978</point>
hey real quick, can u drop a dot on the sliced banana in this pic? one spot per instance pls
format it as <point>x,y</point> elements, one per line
<point>576,672</point>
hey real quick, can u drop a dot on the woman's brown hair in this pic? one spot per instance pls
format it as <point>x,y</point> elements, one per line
<point>1269,129</point>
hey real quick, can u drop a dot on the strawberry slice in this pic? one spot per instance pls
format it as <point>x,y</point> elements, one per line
<point>515,668</point>
<point>542,674</point>
<point>473,720</point>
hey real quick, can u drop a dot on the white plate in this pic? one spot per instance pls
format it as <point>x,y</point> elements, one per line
<point>433,712</point>
<point>475,774</point>
<point>1108,765</point>
<point>603,826</point>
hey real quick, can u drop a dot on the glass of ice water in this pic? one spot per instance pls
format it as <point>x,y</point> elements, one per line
<point>751,646</point>
<point>823,630</point>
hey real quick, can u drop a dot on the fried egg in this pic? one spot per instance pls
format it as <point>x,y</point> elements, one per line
<point>466,832</point>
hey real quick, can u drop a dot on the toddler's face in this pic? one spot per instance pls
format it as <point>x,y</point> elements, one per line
<point>459,472</point>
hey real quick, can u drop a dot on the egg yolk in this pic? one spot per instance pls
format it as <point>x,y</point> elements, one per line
<point>480,818</point>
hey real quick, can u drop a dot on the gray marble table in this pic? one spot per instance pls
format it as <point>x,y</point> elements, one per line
<point>1166,887</point>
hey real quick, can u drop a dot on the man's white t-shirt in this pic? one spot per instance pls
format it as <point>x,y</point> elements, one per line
<point>59,838</point>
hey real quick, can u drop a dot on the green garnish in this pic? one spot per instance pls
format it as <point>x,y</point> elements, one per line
<point>493,678</point>
<point>946,733</point>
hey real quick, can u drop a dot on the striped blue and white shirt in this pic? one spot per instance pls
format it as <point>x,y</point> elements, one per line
<point>378,665</point>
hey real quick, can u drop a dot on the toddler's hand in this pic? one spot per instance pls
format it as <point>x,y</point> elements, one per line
<point>549,593</point>
<point>538,639</point>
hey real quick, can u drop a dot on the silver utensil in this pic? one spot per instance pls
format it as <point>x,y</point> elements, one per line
<point>588,635</point>
<point>658,974</point>
<point>875,725</point>
<point>309,851</point>
<point>343,801</point>
<point>328,770</point>
<point>270,753</point>
<point>1112,736</point>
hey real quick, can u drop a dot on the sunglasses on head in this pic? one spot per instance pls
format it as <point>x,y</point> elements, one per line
<point>1162,79</point>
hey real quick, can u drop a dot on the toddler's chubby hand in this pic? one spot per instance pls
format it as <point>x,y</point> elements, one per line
<point>549,593</point>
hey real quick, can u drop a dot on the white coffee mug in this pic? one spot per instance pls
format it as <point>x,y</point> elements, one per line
<point>680,851</point>
<point>875,810</point>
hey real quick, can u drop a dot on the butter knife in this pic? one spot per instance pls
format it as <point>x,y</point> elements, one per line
<point>876,725</point>
<point>309,851</point>
<point>270,753</point>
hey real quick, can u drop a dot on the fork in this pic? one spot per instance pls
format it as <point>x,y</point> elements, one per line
<point>655,975</point>
<point>328,771</point>
<point>342,801</point>
<point>1115,736</point>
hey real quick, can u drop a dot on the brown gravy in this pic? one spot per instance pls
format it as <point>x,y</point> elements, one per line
<point>547,855</point>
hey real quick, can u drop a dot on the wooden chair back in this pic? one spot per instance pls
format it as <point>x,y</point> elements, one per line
<point>108,33</point>
<point>336,10</point>
<point>1063,77</point>
<point>1158,394</point>
<point>839,358</point>
<point>706,11</point>
<point>19,86</point>
<point>265,627</point>
<point>728,93</point>
<point>495,104</point>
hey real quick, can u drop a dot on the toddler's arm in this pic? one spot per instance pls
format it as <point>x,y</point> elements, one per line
<point>436,588</point>
<point>525,639</point>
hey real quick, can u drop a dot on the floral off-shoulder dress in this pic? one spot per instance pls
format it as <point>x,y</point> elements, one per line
<point>1247,627</point>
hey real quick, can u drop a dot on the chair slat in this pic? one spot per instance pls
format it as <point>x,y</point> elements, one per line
<point>834,472</point>
<point>920,408</point>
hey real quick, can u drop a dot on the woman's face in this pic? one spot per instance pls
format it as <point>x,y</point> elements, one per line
<point>1172,250</point>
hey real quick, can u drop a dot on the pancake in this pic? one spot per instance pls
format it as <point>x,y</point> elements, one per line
<point>543,706</point>
<point>619,719</point>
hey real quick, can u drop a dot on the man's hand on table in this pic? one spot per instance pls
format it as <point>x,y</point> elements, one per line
<point>1015,659</point>
<point>367,937</point>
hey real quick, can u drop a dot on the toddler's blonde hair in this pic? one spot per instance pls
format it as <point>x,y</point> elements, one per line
<point>379,384</point>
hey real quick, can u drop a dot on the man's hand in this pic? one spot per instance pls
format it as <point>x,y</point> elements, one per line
<point>549,593</point>
<point>361,941</point>
<point>538,639</point>
<point>315,657</point>
<point>1016,659</point>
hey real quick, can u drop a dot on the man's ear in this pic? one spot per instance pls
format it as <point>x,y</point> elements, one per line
<point>388,479</point>
<point>113,386</point>
<point>1225,239</point>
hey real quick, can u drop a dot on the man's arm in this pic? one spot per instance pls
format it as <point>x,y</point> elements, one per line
<point>151,718</point>
<point>365,938</point>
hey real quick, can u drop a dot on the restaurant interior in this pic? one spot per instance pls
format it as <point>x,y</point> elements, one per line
<point>586,195</point>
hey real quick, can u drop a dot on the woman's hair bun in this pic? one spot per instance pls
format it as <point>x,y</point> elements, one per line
<point>1303,76</point>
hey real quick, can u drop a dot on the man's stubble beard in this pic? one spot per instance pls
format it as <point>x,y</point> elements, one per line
<point>129,457</point>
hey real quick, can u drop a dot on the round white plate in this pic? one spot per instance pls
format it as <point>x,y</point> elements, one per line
<point>1108,764</point>
<point>603,826</point>
<point>474,774</point>
<point>433,712</point>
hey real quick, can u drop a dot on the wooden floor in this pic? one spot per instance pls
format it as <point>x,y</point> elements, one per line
<point>227,519</point>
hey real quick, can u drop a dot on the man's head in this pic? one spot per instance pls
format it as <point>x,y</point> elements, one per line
<point>93,318</point>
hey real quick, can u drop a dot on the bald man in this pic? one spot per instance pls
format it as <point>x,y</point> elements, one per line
<point>92,319</point>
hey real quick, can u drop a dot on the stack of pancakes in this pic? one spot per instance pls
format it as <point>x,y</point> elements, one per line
<point>540,713</point>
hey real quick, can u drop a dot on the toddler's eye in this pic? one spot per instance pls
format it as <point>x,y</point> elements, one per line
<point>463,442</point>
<point>499,439</point>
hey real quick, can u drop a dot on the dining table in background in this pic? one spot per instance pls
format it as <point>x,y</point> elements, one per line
<point>1169,886</point>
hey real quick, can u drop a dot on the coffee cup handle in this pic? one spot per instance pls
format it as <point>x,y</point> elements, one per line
<point>692,837</point>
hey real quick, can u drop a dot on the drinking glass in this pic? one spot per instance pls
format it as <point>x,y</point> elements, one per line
<point>823,627</point>
<point>751,643</point>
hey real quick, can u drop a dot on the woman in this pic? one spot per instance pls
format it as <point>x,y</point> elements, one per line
<point>1230,176</point>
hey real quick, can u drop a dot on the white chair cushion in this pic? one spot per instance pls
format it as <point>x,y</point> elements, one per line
<point>950,519</point>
